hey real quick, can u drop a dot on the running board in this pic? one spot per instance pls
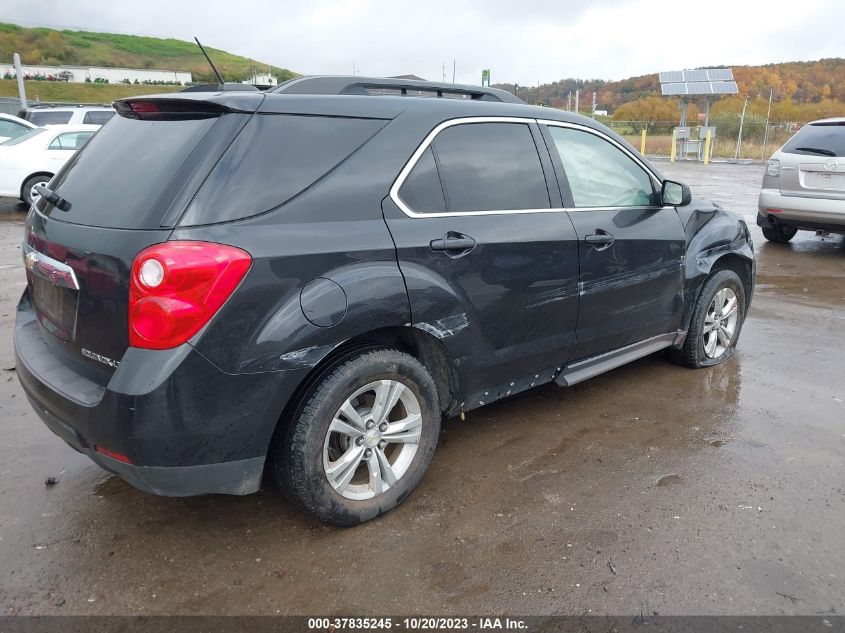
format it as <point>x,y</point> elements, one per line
<point>581,370</point>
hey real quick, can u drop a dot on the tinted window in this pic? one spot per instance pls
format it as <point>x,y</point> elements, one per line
<point>490,167</point>
<point>49,117</point>
<point>421,190</point>
<point>70,140</point>
<point>818,140</point>
<point>10,129</point>
<point>599,173</point>
<point>274,158</point>
<point>117,178</point>
<point>98,117</point>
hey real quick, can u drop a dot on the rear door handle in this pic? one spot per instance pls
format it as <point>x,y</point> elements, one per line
<point>453,243</point>
<point>600,239</point>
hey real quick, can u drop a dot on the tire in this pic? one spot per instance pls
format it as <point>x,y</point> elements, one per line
<point>308,458</point>
<point>779,233</point>
<point>29,184</point>
<point>699,349</point>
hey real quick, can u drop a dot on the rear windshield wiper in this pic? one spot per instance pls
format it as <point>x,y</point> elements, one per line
<point>817,150</point>
<point>53,198</point>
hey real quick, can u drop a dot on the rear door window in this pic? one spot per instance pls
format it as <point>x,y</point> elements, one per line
<point>10,129</point>
<point>818,140</point>
<point>490,167</point>
<point>49,117</point>
<point>422,190</point>
<point>70,140</point>
<point>275,158</point>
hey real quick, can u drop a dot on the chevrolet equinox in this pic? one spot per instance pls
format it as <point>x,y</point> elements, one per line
<point>311,279</point>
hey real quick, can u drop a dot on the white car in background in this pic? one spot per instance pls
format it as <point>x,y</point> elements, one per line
<point>69,115</point>
<point>33,158</point>
<point>13,127</point>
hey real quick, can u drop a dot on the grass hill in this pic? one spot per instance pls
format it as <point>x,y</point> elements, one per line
<point>53,47</point>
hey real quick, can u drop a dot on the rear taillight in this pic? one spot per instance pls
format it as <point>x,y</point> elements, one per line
<point>177,287</point>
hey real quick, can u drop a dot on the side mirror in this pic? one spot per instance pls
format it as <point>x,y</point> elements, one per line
<point>675,194</point>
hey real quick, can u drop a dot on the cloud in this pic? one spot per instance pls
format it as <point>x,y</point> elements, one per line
<point>524,42</point>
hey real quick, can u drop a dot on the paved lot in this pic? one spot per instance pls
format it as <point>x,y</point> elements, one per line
<point>650,489</point>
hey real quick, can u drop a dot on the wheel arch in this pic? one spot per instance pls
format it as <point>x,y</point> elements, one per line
<point>425,347</point>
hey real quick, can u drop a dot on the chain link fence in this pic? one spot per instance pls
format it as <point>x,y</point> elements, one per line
<point>759,140</point>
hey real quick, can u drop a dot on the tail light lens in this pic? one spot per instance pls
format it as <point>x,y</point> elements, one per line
<point>773,167</point>
<point>177,287</point>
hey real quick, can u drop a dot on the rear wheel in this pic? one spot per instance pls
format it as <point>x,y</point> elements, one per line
<point>716,321</point>
<point>28,191</point>
<point>779,233</point>
<point>362,438</point>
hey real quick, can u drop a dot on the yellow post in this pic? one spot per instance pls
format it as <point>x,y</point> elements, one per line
<point>642,144</point>
<point>672,151</point>
<point>707,147</point>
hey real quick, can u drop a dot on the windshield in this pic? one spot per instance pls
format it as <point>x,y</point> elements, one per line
<point>818,139</point>
<point>25,137</point>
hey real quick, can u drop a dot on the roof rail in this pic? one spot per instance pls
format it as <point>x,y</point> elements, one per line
<point>346,85</point>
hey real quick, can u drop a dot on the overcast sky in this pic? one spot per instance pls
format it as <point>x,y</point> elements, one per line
<point>522,41</point>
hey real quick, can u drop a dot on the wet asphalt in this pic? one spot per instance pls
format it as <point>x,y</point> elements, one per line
<point>650,489</point>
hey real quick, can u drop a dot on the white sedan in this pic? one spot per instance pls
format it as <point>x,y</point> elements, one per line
<point>32,159</point>
<point>13,127</point>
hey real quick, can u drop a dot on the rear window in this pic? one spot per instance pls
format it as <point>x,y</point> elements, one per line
<point>116,180</point>
<point>49,117</point>
<point>825,139</point>
<point>23,138</point>
<point>98,117</point>
<point>275,158</point>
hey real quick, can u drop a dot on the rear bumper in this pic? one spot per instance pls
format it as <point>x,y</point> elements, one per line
<point>186,427</point>
<point>812,213</point>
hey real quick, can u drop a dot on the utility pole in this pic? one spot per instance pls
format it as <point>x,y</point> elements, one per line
<point>569,102</point>
<point>766,133</point>
<point>454,63</point>
<point>739,136</point>
<point>354,70</point>
<point>444,72</point>
<point>19,75</point>
<point>577,100</point>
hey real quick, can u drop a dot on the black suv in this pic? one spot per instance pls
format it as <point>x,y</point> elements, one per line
<point>315,276</point>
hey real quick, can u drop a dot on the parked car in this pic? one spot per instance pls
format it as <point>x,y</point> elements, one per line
<point>804,185</point>
<point>69,115</point>
<point>12,127</point>
<point>314,276</point>
<point>30,160</point>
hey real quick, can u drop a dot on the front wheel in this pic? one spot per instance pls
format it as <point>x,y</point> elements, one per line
<point>779,233</point>
<point>716,321</point>
<point>362,438</point>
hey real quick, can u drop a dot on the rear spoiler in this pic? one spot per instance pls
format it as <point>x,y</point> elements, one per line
<point>186,106</point>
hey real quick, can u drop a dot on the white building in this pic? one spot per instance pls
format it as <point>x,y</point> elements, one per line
<point>80,74</point>
<point>262,79</point>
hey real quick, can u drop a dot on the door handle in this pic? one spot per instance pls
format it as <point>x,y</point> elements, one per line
<point>600,239</point>
<point>453,243</point>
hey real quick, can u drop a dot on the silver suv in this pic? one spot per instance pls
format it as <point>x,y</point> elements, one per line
<point>804,185</point>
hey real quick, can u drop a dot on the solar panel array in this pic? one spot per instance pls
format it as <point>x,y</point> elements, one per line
<point>703,81</point>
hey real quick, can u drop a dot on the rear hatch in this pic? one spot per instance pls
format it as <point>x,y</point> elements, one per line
<point>813,162</point>
<point>124,192</point>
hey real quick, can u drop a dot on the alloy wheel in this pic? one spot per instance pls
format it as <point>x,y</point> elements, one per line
<point>372,439</point>
<point>720,323</point>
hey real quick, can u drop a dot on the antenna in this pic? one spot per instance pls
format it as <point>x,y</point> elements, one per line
<point>210,63</point>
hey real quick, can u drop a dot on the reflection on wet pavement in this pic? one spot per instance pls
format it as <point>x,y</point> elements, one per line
<point>652,488</point>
